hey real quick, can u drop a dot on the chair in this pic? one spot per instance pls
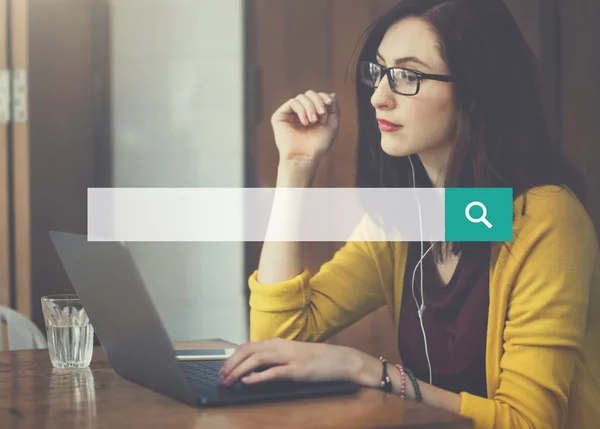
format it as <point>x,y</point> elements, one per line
<point>23,334</point>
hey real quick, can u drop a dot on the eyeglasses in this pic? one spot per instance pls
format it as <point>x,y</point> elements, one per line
<point>402,81</point>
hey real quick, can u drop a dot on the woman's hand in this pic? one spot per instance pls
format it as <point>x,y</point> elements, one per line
<point>300,361</point>
<point>306,126</point>
<point>291,360</point>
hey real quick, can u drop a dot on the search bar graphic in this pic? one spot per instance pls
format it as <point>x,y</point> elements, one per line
<point>296,214</point>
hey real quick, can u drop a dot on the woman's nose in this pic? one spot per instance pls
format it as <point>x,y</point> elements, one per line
<point>383,97</point>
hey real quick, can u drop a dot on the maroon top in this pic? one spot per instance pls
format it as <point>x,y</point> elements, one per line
<point>455,322</point>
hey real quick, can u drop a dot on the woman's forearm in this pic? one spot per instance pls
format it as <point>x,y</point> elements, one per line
<point>367,372</point>
<point>283,260</point>
<point>440,398</point>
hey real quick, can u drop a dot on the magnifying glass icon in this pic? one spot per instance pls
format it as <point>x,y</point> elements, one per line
<point>481,219</point>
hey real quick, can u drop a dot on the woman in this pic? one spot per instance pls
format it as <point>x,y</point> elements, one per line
<point>447,97</point>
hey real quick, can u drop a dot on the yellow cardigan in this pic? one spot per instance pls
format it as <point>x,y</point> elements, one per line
<point>543,339</point>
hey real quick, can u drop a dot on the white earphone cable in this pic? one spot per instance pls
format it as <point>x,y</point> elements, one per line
<point>421,308</point>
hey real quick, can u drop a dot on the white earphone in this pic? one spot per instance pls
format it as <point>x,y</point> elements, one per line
<point>420,308</point>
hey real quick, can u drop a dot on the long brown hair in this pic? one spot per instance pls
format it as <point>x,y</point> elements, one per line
<point>503,138</point>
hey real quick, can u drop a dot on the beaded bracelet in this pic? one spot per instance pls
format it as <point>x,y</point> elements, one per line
<point>403,381</point>
<point>385,383</point>
<point>415,384</point>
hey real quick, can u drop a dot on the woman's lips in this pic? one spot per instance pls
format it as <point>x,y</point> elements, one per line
<point>387,126</point>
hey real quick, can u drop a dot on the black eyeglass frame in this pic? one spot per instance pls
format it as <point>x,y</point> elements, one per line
<point>420,76</point>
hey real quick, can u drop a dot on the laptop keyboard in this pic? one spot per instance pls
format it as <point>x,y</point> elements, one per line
<point>206,374</point>
<point>202,372</point>
<point>203,377</point>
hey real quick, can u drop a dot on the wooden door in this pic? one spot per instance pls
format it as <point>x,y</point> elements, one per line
<point>69,150</point>
<point>58,142</point>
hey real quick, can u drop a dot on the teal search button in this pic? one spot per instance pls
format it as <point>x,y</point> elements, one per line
<point>479,214</point>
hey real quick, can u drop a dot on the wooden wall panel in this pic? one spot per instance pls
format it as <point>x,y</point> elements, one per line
<point>293,60</point>
<point>20,160</point>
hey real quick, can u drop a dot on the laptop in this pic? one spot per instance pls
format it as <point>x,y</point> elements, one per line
<point>130,331</point>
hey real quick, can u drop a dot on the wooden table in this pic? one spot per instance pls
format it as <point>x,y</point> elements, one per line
<point>35,395</point>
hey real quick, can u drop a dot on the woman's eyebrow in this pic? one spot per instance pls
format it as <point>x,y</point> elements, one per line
<point>403,60</point>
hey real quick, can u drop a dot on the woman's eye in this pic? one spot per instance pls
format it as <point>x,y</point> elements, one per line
<point>408,77</point>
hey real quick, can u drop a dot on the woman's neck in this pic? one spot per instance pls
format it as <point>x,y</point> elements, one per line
<point>435,163</point>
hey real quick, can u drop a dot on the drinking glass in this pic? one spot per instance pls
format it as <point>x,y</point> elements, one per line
<point>70,334</point>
